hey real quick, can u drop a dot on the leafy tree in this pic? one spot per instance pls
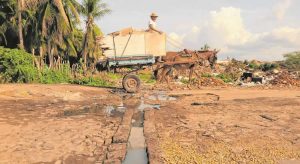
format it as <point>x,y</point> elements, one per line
<point>92,9</point>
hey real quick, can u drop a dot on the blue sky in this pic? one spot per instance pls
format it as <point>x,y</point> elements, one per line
<point>256,29</point>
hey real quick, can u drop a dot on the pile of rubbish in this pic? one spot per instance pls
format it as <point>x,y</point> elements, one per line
<point>285,79</point>
<point>210,81</point>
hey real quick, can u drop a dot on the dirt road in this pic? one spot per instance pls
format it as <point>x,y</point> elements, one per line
<point>75,124</point>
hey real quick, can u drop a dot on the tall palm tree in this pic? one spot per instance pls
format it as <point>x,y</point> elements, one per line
<point>57,18</point>
<point>93,9</point>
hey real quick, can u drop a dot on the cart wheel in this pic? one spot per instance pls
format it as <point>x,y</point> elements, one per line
<point>131,83</point>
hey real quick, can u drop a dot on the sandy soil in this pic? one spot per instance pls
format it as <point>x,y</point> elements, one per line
<point>226,125</point>
<point>75,124</point>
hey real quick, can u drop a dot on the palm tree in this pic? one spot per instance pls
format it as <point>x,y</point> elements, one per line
<point>57,22</point>
<point>7,20</point>
<point>93,9</point>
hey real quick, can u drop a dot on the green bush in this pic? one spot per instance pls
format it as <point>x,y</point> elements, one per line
<point>49,76</point>
<point>227,78</point>
<point>17,66</point>
<point>268,66</point>
<point>254,66</point>
<point>292,61</point>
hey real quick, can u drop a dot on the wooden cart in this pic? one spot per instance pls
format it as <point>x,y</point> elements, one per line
<point>134,49</point>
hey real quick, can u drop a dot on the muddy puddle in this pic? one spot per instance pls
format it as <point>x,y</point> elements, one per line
<point>108,110</point>
<point>162,96</point>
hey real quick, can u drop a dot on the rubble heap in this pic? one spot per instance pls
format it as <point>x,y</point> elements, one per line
<point>285,79</point>
<point>210,81</point>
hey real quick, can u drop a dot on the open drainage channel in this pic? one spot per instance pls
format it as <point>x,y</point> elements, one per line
<point>136,146</point>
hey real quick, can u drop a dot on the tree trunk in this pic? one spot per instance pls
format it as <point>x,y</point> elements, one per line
<point>49,51</point>
<point>20,28</point>
<point>41,57</point>
<point>85,48</point>
<point>84,54</point>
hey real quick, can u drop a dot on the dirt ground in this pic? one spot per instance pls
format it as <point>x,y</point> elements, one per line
<point>226,125</point>
<point>75,124</point>
<point>55,123</point>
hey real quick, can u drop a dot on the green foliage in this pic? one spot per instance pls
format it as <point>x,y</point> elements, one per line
<point>227,78</point>
<point>8,25</point>
<point>114,76</point>
<point>17,66</point>
<point>92,9</point>
<point>268,66</point>
<point>50,76</point>
<point>253,65</point>
<point>147,78</point>
<point>97,31</point>
<point>184,81</point>
<point>206,75</point>
<point>292,61</point>
<point>93,81</point>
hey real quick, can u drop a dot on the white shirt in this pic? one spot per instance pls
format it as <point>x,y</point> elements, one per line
<point>151,22</point>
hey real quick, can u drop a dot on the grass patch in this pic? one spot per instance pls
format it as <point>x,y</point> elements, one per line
<point>225,77</point>
<point>114,76</point>
<point>50,76</point>
<point>93,81</point>
<point>147,78</point>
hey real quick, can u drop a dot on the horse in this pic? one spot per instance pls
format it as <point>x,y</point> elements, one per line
<point>185,60</point>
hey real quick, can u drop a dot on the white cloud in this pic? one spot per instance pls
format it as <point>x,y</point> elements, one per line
<point>288,34</point>
<point>228,24</point>
<point>281,8</point>
<point>175,41</point>
<point>226,30</point>
<point>196,29</point>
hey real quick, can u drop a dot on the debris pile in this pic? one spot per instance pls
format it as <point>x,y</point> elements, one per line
<point>285,79</point>
<point>210,81</point>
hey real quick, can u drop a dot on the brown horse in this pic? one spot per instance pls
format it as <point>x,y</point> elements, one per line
<point>185,60</point>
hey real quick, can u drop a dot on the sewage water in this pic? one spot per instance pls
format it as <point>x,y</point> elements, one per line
<point>136,147</point>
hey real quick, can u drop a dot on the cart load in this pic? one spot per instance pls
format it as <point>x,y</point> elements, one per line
<point>129,47</point>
